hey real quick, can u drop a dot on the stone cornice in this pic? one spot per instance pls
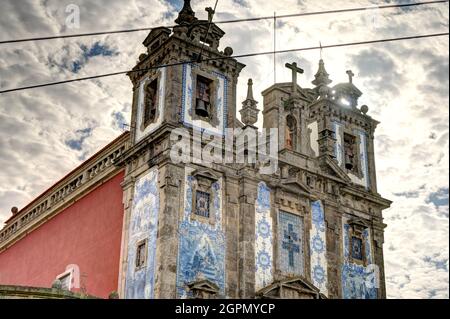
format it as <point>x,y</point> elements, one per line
<point>342,113</point>
<point>14,292</point>
<point>364,194</point>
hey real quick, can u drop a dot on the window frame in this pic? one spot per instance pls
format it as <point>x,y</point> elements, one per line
<point>357,231</point>
<point>144,243</point>
<point>208,195</point>
<point>203,184</point>
<point>148,81</point>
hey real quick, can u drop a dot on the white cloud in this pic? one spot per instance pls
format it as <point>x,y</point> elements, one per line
<point>405,85</point>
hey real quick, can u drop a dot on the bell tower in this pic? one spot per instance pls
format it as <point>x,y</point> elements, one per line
<point>183,80</point>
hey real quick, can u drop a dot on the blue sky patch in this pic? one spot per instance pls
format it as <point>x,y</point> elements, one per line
<point>439,198</point>
<point>177,4</point>
<point>77,143</point>
<point>119,120</point>
<point>97,49</point>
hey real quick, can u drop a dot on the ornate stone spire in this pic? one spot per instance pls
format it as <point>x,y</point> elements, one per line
<point>186,15</point>
<point>249,111</point>
<point>321,77</point>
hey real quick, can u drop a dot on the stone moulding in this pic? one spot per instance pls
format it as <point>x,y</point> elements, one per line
<point>95,171</point>
<point>19,292</point>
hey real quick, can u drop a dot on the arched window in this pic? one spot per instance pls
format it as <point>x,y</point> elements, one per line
<point>291,132</point>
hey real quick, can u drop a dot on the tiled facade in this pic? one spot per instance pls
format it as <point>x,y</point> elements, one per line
<point>201,253</point>
<point>143,229</point>
<point>291,243</point>
<point>358,281</point>
<point>263,238</point>
<point>318,243</point>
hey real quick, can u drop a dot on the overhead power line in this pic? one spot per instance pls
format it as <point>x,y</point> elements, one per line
<point>304,14</point>
<point>228,57</point>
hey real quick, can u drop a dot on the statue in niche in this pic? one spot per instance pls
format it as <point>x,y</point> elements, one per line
<point>291,130</point>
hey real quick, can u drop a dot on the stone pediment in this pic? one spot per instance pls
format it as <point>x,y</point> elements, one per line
<point>294,184</point>
<point>332,168</point>
<point>359,222</point>
<point>206,173</point>
<point>203,289</point>
<point>291,288</point>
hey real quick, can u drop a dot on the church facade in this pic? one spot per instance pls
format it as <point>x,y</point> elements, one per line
<point>134,220</point>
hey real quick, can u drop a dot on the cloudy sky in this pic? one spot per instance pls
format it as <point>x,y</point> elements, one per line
<point>44,133</point>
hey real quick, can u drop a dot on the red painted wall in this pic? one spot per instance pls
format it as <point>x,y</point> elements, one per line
<point>88,234</point>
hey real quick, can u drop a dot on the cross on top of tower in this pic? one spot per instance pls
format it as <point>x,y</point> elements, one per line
<point>350,76</point>
<point>295,69</point>
<point>210,13</point>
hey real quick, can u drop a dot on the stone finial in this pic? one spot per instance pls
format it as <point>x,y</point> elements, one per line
<point>228,51</point>
<point>350,76</point>
<point>250,89</point>
<point>186,15</point>
<point>321,77</point>
<point>364,109</point>
<point>14,210</point>
<point>249,111</point>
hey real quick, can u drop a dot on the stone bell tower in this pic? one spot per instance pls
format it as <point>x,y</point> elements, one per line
<point>326,194</point>
<point>198,84</point>
<point>183,80</point>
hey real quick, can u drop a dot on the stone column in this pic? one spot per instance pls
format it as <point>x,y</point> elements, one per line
<point>231,218</point>
<point>371,161</point>
<point>378,241</point>
<point>171,179</point>
<point>334,263</point>
<point>246,247</point>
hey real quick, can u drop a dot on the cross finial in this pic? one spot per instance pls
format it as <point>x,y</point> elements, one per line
<point>350,76</point>
<point>295,69</point>
<point>210,13</point>
<point>320,43</point>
